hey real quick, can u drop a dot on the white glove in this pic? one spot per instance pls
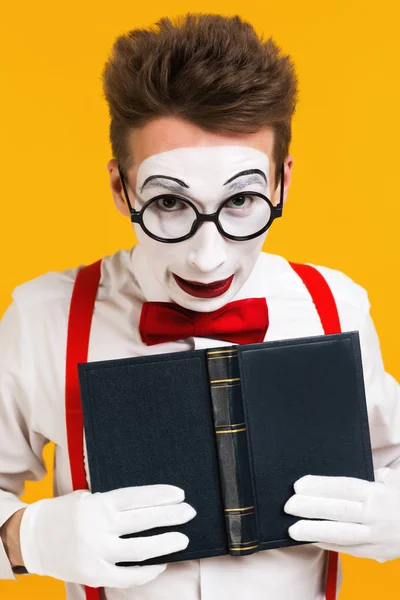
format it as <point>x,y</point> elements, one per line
<point>76,537</point>
<point>364,516</point>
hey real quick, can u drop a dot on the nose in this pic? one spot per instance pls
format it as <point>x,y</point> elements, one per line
<point>208,249</point>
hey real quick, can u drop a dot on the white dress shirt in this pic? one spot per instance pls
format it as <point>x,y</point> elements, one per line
<point>33,334</point>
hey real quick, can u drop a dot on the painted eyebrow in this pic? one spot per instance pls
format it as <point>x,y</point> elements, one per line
<point>168,182</point>
<point>155,179</point>
<point>248,172</point>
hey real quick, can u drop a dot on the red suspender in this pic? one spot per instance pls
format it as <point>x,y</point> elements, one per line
<point>79,324</point>
<point>80,320</point>
<point>321,296</point>
<point>326,307</point>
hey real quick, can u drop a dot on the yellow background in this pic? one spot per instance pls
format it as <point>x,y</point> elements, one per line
<point>343,211</point>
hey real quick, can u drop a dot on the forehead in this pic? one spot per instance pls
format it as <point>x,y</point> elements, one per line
<point>192,164</point>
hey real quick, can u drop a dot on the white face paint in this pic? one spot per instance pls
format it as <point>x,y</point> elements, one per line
<point>207,256</point>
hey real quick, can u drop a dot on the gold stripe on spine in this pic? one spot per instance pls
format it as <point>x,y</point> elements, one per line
<point>230,430</point>
<point>221,351</point>
<point>244,514</point>
<point>244,548</point>
<point>243,508</point>
<point>225,380</point>
<point>221,357</point>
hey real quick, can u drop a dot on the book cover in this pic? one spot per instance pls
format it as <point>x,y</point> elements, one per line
<point>233,427</point>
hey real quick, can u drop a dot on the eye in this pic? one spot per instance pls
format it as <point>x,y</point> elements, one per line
<point>241,201</point>
<point>170,204</point>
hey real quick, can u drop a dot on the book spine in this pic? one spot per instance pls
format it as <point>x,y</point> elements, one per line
<point>233,455</point>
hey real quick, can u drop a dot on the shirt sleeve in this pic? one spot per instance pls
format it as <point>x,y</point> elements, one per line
<point>383,400</point>
<point>381,388</point>
<point>20,446</point>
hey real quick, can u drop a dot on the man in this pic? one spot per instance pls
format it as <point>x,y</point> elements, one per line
<point>200,124</point>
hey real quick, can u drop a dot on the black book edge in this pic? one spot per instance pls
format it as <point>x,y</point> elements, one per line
<point>92,466</point>
<point>364,421</point>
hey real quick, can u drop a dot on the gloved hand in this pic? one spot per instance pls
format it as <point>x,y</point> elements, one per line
<point>363,516</point>
<point>75,537</point>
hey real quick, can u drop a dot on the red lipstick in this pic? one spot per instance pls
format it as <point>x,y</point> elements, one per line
<point>204,290</point>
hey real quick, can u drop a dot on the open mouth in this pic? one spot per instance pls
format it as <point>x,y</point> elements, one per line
<point>204,290</point>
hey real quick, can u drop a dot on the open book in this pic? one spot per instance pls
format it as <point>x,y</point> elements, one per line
<point>234,427</point>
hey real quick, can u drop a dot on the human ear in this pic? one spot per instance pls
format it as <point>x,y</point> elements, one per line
<point>287,177</point>
<point>116,187</point>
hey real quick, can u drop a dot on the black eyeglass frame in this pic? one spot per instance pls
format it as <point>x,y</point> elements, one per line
<point>137,216</point>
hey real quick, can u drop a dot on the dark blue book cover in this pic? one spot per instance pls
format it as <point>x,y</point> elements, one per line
<point>234,427</point>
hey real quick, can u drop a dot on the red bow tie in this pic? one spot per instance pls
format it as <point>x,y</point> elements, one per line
<point>240,322</point>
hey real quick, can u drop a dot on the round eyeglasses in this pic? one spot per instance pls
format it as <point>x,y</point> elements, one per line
<point>171,218</point>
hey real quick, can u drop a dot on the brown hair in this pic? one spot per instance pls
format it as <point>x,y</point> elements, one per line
<point>209,69</point>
